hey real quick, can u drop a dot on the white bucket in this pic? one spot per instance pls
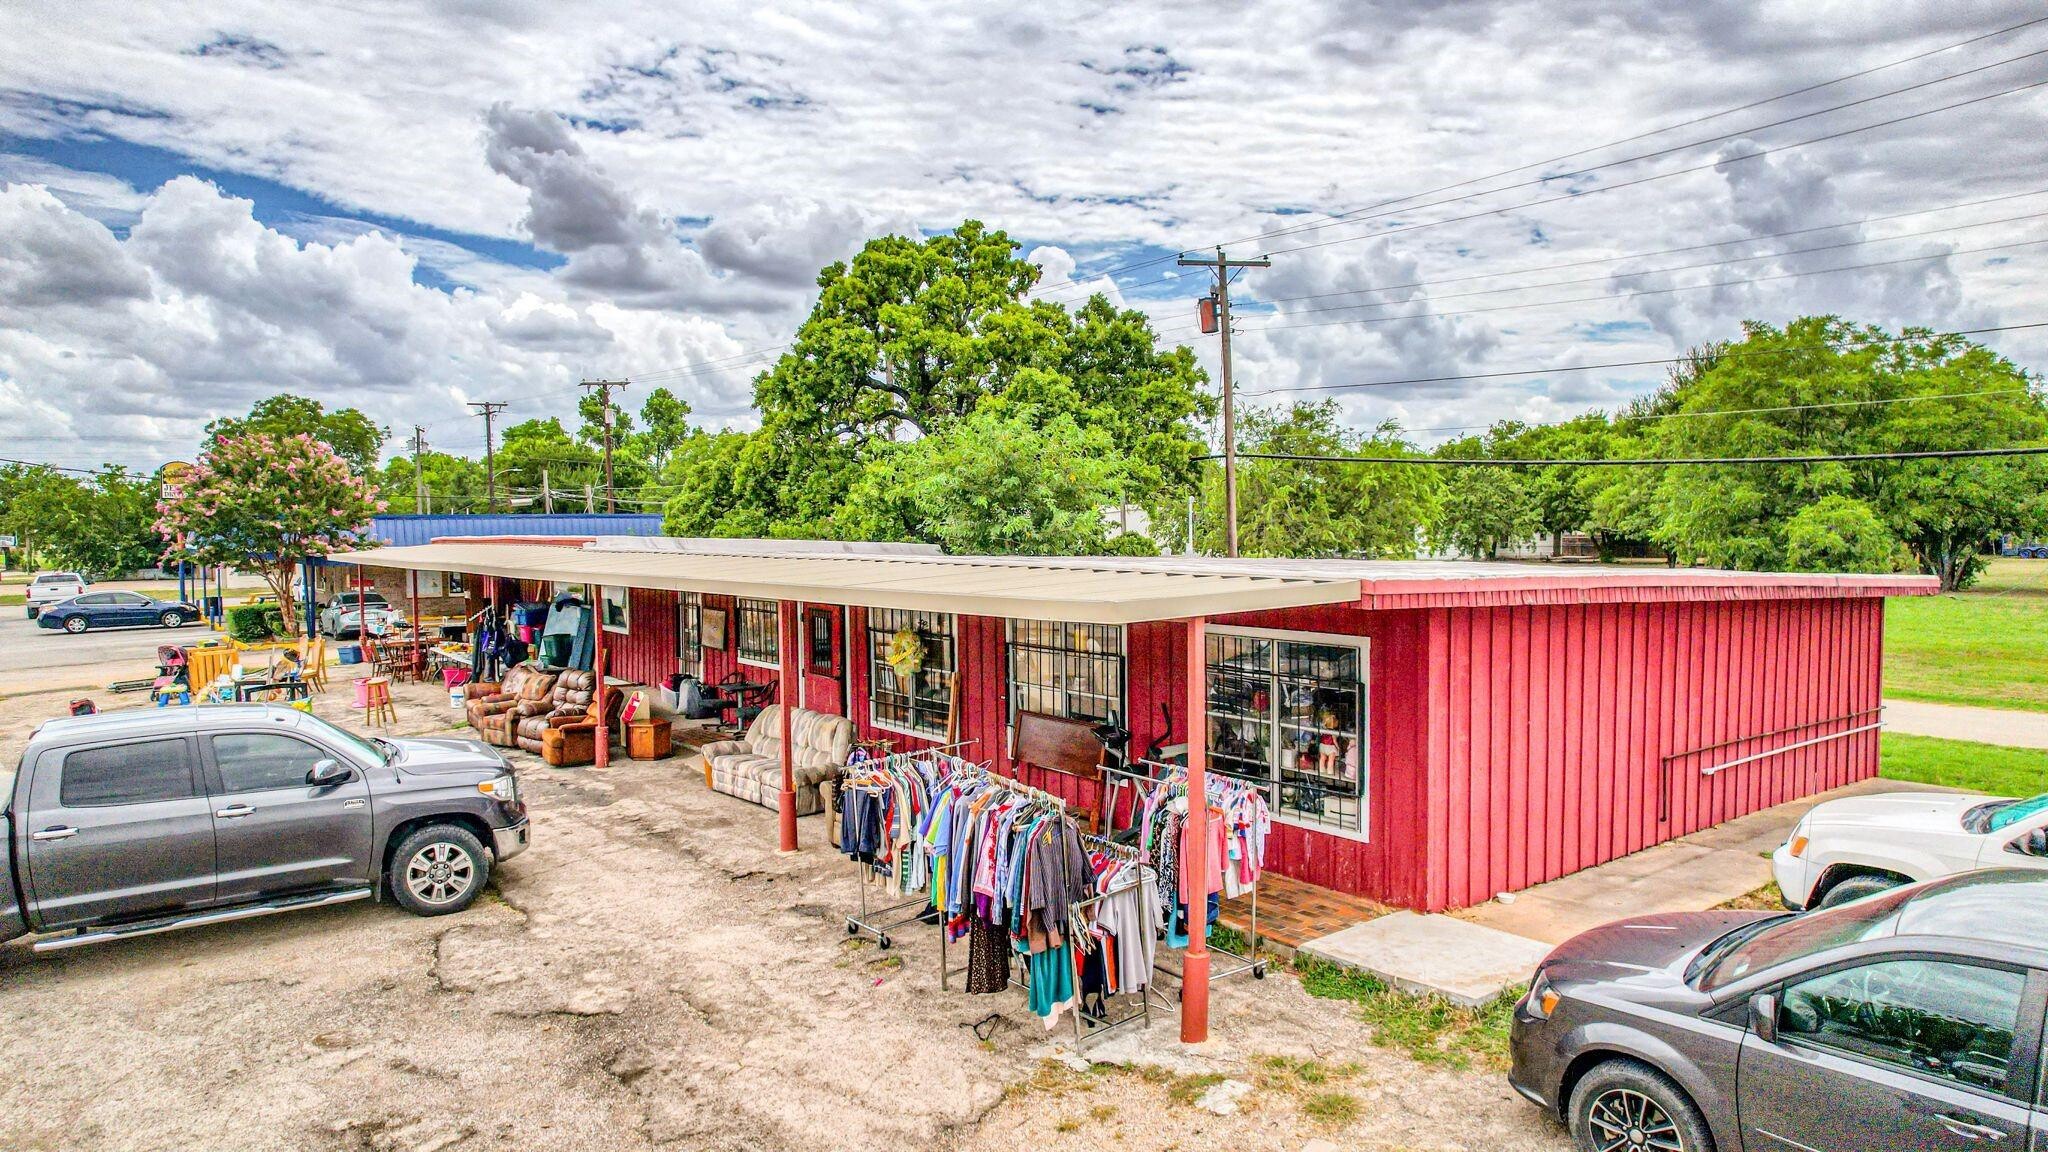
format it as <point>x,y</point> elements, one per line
<point>455,699</point>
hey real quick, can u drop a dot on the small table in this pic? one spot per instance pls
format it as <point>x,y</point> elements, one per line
<point>292,689</point>
<point>649,738</point>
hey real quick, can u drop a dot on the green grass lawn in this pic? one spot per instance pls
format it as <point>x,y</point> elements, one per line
<point>1987,646</point>
<point>1961,764</point>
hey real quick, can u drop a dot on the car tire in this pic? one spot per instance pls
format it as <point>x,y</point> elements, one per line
<point>172,619</point>
<point>439,869</point>
<point>1856,888</point>
<point>1625,1097</point>
<point>76,624</point>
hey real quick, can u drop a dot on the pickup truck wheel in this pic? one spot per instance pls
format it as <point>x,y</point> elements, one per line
<point>439,869</point>
<point>76,624</point>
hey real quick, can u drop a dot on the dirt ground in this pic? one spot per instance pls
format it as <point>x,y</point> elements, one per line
<point>652,974</point>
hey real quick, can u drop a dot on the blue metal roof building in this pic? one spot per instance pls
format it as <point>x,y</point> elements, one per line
<point>422,528</point>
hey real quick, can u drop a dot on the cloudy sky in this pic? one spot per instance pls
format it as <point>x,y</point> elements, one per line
<point>410,207</point>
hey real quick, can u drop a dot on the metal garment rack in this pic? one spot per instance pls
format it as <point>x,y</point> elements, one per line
<point>1010,784</point>
<point>1090,1026</point>
<point>865,922</point>
<point>1239,964</point>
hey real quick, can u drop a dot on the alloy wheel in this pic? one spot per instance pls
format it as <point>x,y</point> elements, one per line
<point>1624,1120</point>
<point>439,874</point>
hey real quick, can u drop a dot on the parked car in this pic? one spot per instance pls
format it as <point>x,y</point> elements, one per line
<point>116,610</point>
<point>1909,1020</point>
<point>49,587</point>
<point>128,823</point>
<point>345,619</point>
<point>1847,849</point>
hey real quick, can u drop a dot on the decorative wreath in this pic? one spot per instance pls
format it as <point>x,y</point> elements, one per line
<point>906,653</point>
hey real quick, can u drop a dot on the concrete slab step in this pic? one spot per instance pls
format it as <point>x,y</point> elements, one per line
<point>1465,963</point>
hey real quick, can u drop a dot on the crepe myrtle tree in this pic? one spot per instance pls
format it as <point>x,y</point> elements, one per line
<point>262,503</point>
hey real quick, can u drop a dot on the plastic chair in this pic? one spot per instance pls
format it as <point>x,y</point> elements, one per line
<point>381,712</point>
<point>316,663</point>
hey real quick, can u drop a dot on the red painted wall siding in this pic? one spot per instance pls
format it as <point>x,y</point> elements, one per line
<point>822,693</point>
<point>1559,737</point>
<point>647,653</point>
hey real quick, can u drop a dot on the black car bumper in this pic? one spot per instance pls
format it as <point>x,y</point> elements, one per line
<point>1538,1068</point>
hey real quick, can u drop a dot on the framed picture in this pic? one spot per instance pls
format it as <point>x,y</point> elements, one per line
<point>615,609</point>
<point>711,629</point>
<point>821,651</point>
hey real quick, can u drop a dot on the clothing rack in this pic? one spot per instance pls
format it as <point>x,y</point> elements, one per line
<point>865,922</point>
<point>1148,772</point>
<point>1037,795</point>
<point>1088,1025</point>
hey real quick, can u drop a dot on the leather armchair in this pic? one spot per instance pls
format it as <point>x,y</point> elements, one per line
<point>568,700</point>
<point>496,716</point>
<point>569,741</point>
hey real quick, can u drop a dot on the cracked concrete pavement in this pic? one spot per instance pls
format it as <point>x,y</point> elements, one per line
<point>651,974</point>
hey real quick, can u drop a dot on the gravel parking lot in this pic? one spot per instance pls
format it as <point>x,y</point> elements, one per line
<point>651,974</point>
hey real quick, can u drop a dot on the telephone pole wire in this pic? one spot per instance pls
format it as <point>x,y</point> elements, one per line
<point>419,478</point>
<point>488,409</point>
<point>604,393</point>
<point>1219,321</point>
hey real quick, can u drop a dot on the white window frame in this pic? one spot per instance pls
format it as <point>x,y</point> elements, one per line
<point>1363,644</point>
<point>868,630</point>
<point>624,600</point>
<point>739,632</point>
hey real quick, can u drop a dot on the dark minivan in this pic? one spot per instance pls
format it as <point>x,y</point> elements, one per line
<point>1911,1019</point>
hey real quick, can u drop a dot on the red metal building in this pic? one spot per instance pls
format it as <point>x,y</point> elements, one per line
<point>1430,734</point>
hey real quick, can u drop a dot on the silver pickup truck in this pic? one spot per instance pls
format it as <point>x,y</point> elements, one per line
<point>127,823</point>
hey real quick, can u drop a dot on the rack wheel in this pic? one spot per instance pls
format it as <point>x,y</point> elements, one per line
<point>852,928</point>
<point>1258,971</point>
<point>885,942</point>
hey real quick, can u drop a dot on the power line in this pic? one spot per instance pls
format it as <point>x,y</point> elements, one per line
<point>1650,291</point>
<point>1490,462</point>
<point>1506,372</point>
<point>1737,411</point>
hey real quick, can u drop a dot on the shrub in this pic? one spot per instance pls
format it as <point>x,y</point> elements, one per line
<point>250,623</point>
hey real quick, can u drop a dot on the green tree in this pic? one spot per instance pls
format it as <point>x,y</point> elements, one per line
<point>37,506</point>
<point>665,424</point>
<point>538,455</point>
<point>353,436</point>
<point>1839,534</point>
<point>1297,508</point>
<point>262,503</point>
<point>454,483</point>
<point>1482,508</point>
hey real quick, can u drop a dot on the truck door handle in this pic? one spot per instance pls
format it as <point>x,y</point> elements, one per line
<point>61,832</point>
<point>233,810</point>
<point>1968,1129</point>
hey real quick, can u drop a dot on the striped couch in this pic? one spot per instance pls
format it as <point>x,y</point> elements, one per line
<point>751,766</point>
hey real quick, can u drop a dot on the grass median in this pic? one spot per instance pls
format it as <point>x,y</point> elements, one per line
<point>1987,646</point>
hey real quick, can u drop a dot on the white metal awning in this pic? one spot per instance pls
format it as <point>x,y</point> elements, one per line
<point>1084,590</point>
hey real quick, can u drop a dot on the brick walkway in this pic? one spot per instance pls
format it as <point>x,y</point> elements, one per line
<point>1293,911</point>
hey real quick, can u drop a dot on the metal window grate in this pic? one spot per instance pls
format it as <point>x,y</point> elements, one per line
<point>918,703</point>
<point>758,639</point>
<point>1289,715</point>
<point>1065,669</point>
<point>689,634</point>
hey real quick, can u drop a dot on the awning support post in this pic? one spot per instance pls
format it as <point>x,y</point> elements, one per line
<point>785,652</point>
<point>604,727</point>
<point>1194,983</point>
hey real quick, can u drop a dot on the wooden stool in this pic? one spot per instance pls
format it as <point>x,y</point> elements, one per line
<point>380,710</point>
<point>649,739</point>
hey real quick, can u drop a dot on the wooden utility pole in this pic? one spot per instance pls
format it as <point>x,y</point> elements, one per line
<point>547,493</point>
<point>488,409</point>
<point>604,393</point>
<point>419,478</point>
<point>1223,265</point>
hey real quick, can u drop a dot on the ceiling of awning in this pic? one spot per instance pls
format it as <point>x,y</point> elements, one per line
<point>1107,591</point>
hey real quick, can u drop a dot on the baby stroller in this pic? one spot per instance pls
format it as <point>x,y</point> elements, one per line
<point>173,683</point>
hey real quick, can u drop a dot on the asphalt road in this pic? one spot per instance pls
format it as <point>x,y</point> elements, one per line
<point>44,659</point>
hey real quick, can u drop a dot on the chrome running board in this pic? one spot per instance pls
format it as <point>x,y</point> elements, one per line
<point>201,920</point>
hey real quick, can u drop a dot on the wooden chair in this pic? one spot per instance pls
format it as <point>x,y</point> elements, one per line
<point>316,663</point>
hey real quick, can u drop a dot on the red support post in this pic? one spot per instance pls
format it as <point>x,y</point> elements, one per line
<point>604,728</point>
<point>785,652</point>
<point>419,658</point>
<point>1194,847</point>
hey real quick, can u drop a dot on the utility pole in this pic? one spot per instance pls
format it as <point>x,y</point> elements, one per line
<point>488,409</point>
<point>547,494</point>
<point>604,392</point>
<point>1223,265</point>
<point>419,478</point>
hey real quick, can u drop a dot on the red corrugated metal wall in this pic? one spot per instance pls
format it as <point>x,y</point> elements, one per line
<point>647,653</point>
<point>1563,737</point>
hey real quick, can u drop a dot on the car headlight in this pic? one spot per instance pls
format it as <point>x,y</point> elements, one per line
<point>1543,999</point>
<point>505,788</point>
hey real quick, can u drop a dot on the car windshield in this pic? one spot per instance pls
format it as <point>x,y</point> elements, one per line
<point>378,751</point>
<point>2008,815</point>
<point>1754,948</point>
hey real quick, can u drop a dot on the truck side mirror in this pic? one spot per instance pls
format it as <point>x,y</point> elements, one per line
<point>1763,1017</point>
<point>328,772</point>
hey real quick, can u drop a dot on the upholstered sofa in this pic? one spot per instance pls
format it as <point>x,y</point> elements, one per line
<point>751,766</point>
<point>524,693</point>
<point>568,737</point>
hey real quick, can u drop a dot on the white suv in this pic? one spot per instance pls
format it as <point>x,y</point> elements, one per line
<point>49,587</point>
<point>1847,849</point>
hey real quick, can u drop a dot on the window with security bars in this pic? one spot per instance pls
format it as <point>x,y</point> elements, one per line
<point>916,700</point>
<point>1289,714</point>
<point>759,640</point>
<point>690,634</point>
<point>1063,669</point>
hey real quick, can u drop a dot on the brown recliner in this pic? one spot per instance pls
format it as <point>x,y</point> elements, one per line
<point>570,741</point>
<point>570,698</point>
<point>496,716</point>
